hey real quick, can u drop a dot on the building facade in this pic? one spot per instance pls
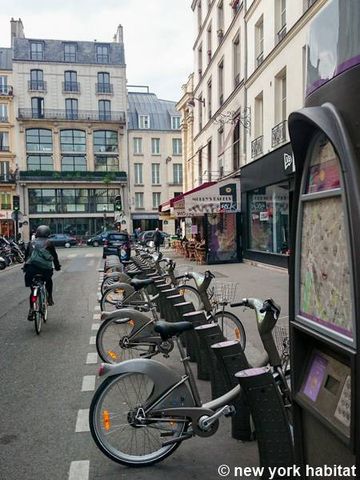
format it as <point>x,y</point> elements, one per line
<point>155,158</point>
<point>8,171</point>
<point>71,131</point>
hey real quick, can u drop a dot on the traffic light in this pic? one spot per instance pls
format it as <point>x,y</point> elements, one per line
<point>16,203</point>
<point>118,203</point>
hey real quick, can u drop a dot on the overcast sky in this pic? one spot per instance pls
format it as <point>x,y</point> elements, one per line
<point>158,34</point>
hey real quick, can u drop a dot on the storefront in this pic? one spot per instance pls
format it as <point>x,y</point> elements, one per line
<point>266,197</point>
<point>7,227</point>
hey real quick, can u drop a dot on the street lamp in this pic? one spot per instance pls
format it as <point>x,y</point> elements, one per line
<point>104,224</point>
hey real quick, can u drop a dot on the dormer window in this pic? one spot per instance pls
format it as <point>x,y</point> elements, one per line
<point>70,52</point>
<point>144,121</point>
<point>175,123</point>
<point>102,53</point>
<point>36,51</point>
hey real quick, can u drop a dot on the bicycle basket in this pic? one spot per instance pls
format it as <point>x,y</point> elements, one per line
<point>183,269</point>
<point>223,292</point>
<point>282,341</point>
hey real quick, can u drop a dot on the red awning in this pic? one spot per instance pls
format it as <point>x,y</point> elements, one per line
<point>196,189</point>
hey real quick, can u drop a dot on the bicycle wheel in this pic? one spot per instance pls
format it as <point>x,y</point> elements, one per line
<point>191,295</point>
<point>120,427</point>
<point>44,306</point>
<point>231,326</point>
<point>113,343</point>
<point>37,315</point>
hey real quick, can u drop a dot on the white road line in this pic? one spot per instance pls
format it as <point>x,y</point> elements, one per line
<point>97,308</point>
<point>96,316</point>
<point>91,263</point>
<point>79,470</point>
<point>88,255</point>
<point>92,341</point>
<point>72,255</point>
<point>88,383</point>
<point>82,421</point>
<point>91,358</point>
<point>95,326</point>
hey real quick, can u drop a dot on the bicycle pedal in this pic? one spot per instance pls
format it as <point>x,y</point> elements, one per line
<point>231,412</point>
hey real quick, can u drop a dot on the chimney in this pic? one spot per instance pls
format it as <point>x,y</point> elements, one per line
<point>118,37</point>
<point>17,30</point>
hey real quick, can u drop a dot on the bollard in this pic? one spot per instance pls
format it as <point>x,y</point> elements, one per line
<point>197,318</point>
<point>209,334</point>
<point>272,427</point>
<point>231,359</point>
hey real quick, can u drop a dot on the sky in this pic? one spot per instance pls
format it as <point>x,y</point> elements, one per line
<point>158,34</point>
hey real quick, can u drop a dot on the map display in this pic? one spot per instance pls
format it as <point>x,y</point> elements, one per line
<point>324,169</point>
<point>324,266</point>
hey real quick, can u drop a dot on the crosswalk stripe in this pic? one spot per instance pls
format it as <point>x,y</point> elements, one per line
<point>88,383</point>
<point>82,421</point>
<point>95,326</point>
<point>91,358</point>
<point>96,316</point>
<point>79,470</point>
<point>92,340</point>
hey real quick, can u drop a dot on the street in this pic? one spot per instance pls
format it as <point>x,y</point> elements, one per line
<point>47,383</point>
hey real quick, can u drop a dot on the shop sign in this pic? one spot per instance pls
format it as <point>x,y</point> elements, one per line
<point>220,197</point>
<point>264,216</point>
<point>289,163</point>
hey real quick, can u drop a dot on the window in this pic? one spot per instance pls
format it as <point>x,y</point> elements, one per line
<point>138,173</point>
<point>178,173</point>
<point>259,41</point>
<point>103,85</point>
<point>209,99</point>
<point>155,173</point>
<point>259,115</point>
<point>209,43</point>
<point>71,83</point>
<point>72,163</point>
<point>144,121</point>
<point>36,51</point>
<point>73,141</point>
<point>138,146</point>
<point>236,145</point>
<point>200,60</point>
<point>71,107</point>
<point>156,199</point>
<point>4,142</point>
<point>37,107</point>
<point>4,171</point>
<point>280,97</point>
<point>200,110</point>
<point>3,84</point>
<point>177,146</point>
<point>40,162</point>
<point>139,200</point>
<point>220,21</point>
<point>36,80</point>
<point>70,52</point>
<point>105,141</point>
<point>200,167</point>
<point>280,20</point>
<point>5,201</point>
<point>105,163</point>
<point>221,82</point>
<point>104,110</point>
<point>155,146</point>
<point>38,140</point>
<point>209,155</point>
<point>102,53</point>
<point>236,60</point>
<point>3,112</point>
<point>199,14</point>
<point>175,123</point>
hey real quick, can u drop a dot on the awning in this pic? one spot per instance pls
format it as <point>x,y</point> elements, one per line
<point>166,206</point>
<point>144,216</point>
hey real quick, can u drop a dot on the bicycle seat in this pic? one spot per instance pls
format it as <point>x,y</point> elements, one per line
<point>38,276</point>
<point>169,329</point>
<point>138,284</point>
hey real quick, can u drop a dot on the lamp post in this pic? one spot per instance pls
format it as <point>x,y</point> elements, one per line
<point>104,219</point>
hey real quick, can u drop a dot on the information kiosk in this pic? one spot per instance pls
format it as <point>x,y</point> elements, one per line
<point>325,265</point>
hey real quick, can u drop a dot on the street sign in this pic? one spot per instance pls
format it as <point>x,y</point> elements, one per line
<point>19,215</point>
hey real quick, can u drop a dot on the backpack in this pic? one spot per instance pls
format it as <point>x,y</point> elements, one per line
<point>40,257</point>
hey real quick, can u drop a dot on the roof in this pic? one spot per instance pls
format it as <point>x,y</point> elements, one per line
<point>5,58</point>
<point>159,111</point>
<point>54,51</point>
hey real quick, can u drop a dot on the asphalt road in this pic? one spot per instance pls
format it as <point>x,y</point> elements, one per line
<point>42,378</point>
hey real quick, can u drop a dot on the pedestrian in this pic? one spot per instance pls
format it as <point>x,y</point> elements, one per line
<point>32,236</point>
<point>178,233</point>
<point>157,238</point>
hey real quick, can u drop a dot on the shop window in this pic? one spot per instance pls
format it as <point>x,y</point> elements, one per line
<point>268,219</point>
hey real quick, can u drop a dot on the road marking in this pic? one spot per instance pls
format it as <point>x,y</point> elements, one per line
<point>91,358</point>
<point>88,255</point>
<point>91,263</point>
<point>79,470</point>
<point>88,383</point>
<point>95,326</point>
<point>97,308</point>
<point>92,341</point>
<point>96,316</point>
<point>72,255</point>
<point>82,421</point>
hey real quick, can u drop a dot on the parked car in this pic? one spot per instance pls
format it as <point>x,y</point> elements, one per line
<point>117,243</point>
<point>148,235</point>
<point>62,240</point>
<point>97,240</point>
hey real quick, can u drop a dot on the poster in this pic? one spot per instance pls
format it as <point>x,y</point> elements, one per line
<point>222,243</point>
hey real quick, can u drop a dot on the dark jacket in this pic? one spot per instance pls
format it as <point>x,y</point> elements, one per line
<point>49,247</point>
<point>157,237</point>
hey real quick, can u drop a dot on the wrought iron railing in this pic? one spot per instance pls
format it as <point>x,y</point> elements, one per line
<point>52,114</point>
<point>102,58</point>
<point>71,176</point>
<point>257,146</point>
<point>7,178</point>
<point>259,59</point>
<point>6,90</point>
<point>3,118</point>
<point>71,87</point>
<point>104,88</point>
<point>278,134</point>
<point>281,34</point>
<point>4,148</point>
<point>37,85</point>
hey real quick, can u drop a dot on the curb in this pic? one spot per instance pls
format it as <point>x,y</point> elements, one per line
<point>266,266</point>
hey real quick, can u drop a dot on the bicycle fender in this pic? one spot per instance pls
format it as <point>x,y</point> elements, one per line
<point>127,313</point>
<point>163,377</point>
<point>128,289</point>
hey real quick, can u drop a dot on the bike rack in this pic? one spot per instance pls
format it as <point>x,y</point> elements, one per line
<point>231,359</point>
<point>209,334</point>
<point>197,318</point>
<point>275,442</point>
<point>181,309</point>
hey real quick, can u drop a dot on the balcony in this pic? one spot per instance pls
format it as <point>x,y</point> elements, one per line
<point>259,59</point>
<point>4,119</point>
<point>40,175</point>
<point>278,134</point>
<point>257,146</point>
<point>71,87</point>
<point>6,91</point>
<point>4,148</point>
<point>236,80</point>
<point>280,34</point>
<point>37,86</point>
<point>104,88</point>
<point>82,115</point>
<point>7,178</point>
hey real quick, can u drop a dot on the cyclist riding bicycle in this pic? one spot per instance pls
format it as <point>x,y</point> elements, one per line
<point>40,256</point>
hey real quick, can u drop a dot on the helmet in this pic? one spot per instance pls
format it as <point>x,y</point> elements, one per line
<point>43,231</point>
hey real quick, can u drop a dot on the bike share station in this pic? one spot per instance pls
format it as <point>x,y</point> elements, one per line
<point>325,267</point>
